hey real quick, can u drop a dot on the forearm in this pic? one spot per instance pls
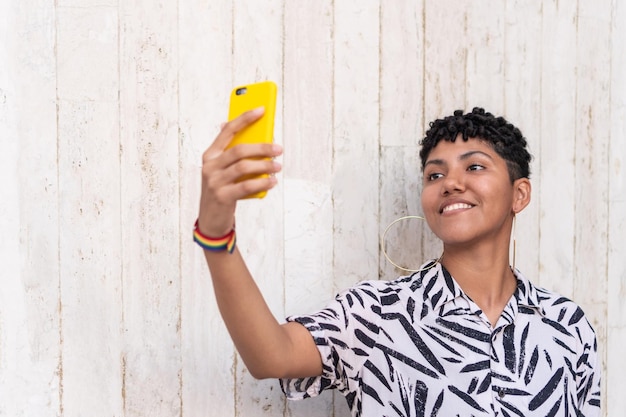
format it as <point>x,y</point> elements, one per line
<point>260,340</point>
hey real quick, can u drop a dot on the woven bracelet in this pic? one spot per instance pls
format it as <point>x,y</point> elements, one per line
<point>224,243</point>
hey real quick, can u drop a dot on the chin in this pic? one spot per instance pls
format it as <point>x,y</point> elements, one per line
<point>459,233</point>
<point>456,238</point>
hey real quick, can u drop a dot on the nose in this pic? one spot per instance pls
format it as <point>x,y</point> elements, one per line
<point>452,183</point>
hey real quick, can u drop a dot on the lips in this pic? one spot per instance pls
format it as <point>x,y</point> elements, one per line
<point>456,206</point>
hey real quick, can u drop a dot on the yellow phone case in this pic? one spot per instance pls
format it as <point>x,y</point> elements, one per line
<point>249,97</point>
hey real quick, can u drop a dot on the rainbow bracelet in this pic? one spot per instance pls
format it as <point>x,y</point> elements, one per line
<point>226,242</point>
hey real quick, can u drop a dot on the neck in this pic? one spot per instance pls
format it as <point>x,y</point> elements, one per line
<point>484,275</point>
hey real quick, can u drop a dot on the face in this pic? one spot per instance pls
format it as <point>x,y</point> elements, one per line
<point>467,194</point>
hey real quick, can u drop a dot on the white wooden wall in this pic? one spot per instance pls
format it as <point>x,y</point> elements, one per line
<point>106,306</point>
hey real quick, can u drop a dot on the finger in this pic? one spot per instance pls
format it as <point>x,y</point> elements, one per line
<point>213,165</point>
<point>231,128</point>
<point>243,189</point>
<point>249,151</point>
<point>244,169</point>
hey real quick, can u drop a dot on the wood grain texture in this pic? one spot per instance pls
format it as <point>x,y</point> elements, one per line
<point>484,40</point>
<point>401,129</point>
<point>356,141</point>
<point>106,305</point>
<point>522,106</point>
<point>445,58</point>
<point>592,165</point>
<point>307,94</point>
<point>615,363</point>
<point>89,211</point>
<point>556,157</point>
<point>149,150</point>
<point>30,349</point>
<point>205,79</point>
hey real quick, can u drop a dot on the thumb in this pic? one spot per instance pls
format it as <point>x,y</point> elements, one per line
<point>231,128</point>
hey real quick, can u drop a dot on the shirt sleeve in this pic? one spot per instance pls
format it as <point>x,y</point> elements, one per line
<point>344,332</point>
<point>588,385</point>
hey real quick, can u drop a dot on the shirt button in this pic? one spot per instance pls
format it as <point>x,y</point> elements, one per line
<point>501,393</point>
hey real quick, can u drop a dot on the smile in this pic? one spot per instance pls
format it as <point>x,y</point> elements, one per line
<point>456,206</point>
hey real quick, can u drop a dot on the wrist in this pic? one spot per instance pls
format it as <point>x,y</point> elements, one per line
<point>214,225</point>
<point>219,243</point>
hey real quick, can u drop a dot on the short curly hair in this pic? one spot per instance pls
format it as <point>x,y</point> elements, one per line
<point>506,139</point>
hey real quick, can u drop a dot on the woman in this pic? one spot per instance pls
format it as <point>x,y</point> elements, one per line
<point>466,335</point>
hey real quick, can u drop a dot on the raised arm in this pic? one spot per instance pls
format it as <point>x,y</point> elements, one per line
<point>269,349</point>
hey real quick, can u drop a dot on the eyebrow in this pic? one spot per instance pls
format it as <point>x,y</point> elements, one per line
<point>463,157</point>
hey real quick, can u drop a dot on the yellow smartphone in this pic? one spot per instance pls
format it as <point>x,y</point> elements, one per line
<point>249,97</point>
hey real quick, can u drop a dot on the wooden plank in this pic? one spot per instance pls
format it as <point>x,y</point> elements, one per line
<point>150,208</point>
<point>615,401</point>
<point>10,147</point>
<point>356,144</point>
<point>205,80</point>
<point>401,129</point>
<point>90,277</point>
<point>308,217</point>
<point>87,3</point>
<point>556,169</point>
<point>485,43</point>
<point>592,165</point>
<point>401,73</point>
<point>29,320</point>
<point>29,298</point>
<point>445,58</point>
<point>87,72</point>
<point>12,305</point>
<point>258,55</point>
<point>522,107</point>
<point>356,141</point>
<point>89,195</point>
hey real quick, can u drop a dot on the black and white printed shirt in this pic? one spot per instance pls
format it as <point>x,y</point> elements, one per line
<point>419,346</point>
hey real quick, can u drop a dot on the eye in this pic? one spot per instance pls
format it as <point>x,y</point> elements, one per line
<point>475,167</point>
<point>434,176</point>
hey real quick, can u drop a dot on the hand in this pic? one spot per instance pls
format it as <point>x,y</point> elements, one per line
<point>221,168</point>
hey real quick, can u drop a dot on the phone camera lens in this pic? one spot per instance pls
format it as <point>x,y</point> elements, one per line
<point>241,91</point>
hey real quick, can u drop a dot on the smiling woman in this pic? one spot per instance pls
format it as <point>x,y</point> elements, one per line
<point>467,334</point>
<point>475,182</point>
<point>467,190</point>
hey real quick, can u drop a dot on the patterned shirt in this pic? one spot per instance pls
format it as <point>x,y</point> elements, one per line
<point>419,346</point>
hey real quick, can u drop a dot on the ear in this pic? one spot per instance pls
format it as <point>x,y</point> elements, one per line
<point>521,194</point>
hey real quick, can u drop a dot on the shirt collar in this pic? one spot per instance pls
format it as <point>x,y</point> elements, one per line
<point>440,288</point>
<point>527,294</point>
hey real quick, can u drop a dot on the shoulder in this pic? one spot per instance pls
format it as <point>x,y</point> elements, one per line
<point>558,307</point>
<point>564,315</point>
<point>378,291</point>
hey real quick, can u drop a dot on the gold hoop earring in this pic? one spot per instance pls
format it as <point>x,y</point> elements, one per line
<point>382,246</point>
<point>514,240</point>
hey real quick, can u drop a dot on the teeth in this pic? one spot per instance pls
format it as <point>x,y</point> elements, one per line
<point>456,206</point>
